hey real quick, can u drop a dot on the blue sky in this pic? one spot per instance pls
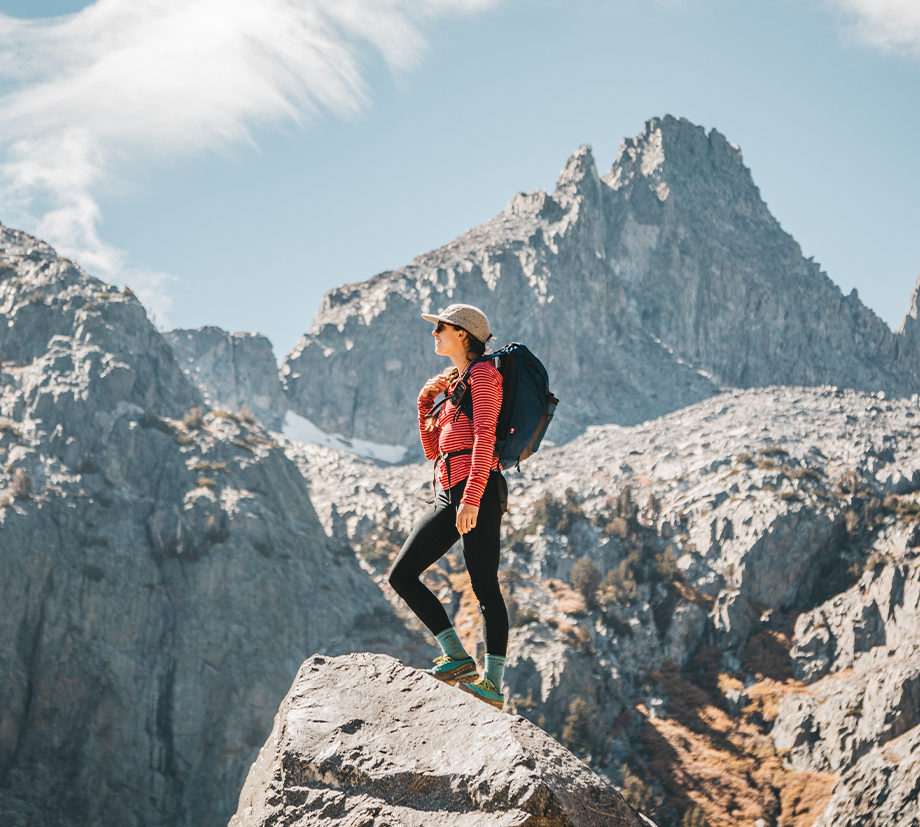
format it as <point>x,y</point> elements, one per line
<point>233,159</point>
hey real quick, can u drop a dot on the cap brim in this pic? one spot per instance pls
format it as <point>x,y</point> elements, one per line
<point>429,318</point>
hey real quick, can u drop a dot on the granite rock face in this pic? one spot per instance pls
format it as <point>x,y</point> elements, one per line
<point>859,715</point>
<point>161,567</point>
<point>881,789</point>
<point>708,270</point>
<point>365,740</point>
<point>881,610</point>
<point>644,291</point>
<point>231,370</point>
<point>908,332</point>
<point>839,719</point>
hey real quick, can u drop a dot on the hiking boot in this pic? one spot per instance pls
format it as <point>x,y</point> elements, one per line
<point>486,691</point>
<point>461,670</point>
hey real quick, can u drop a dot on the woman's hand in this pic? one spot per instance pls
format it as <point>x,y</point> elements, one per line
<point>466,517</point>
<point>436,385</point>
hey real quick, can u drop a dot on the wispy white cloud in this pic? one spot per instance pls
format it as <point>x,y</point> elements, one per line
<point>129,82</point>
<point>890,25</point>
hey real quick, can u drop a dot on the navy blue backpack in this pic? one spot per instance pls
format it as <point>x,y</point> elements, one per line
<point>527,408</point>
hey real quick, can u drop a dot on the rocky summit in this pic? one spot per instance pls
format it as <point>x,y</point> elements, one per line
<point>657,285</point>
<point>364,740</point>
<point>162,570</point>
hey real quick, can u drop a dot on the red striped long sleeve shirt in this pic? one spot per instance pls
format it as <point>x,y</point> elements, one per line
<point>448,435</point>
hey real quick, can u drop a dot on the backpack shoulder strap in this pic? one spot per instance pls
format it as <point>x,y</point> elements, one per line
<point>466,401</point>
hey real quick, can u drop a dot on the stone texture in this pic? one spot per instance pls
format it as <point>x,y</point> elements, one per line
<point>860,655</point>
<point>882,609</point>
<point>644,291</point>
<point>708,270</point>
<point>881,790</point>
<point>908,331</point>
<point>363,739</point>
<point>162,570</point>
<point>843,716</point>
<point>231,370</point>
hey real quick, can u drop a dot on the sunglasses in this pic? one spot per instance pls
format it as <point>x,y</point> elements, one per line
<point>442,325</point>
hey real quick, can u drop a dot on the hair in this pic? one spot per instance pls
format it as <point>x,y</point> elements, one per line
<point>474,349</point>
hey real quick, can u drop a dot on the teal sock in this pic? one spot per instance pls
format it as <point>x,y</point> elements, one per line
<point>495,670</point>
<point>450,644</point>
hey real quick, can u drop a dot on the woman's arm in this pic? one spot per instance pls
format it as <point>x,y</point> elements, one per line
<point>486,388</point>
<point>426,398</point>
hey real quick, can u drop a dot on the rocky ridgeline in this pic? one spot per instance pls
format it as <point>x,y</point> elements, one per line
<point>162,570</point>
<point>658,285</point>
<point>364,740</point>
<point>750,561</point>
<point>232,370</point>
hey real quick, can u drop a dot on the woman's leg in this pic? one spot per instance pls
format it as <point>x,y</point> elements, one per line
<point>482,553</point>
<point>430,540</point>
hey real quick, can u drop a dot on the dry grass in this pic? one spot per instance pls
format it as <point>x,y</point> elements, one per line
<point>725,766</point>
<point>205,465</point>
<point>243,416</point>
<point>804,796</point>
<point>764,698</point>
<point>21,487</point>
<point>703,601</point>
<point>193,420</point>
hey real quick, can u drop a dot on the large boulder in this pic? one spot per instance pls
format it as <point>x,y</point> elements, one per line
<point>365,740</point>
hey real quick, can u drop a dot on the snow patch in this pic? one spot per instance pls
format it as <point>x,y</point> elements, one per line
<point>299,429</point>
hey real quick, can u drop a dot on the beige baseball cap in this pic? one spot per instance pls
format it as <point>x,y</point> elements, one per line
<point>470,318</point>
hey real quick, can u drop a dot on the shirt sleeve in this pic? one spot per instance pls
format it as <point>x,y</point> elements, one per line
<point>429,438</point>
<point>486,388</point>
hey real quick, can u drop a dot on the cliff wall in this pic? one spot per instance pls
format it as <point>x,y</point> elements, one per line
<point>162,570</point>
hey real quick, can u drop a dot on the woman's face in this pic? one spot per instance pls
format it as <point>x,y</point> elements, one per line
<point>449,340</point>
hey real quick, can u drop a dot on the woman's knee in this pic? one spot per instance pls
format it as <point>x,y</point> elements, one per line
<point>488,592</point>
<point>397,578</point>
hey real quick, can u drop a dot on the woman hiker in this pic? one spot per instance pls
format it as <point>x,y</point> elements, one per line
<point>467,504</point>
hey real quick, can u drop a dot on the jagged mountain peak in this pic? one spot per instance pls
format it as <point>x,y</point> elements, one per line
<point>666,139</point>
<point>913,309</point>
<point>56,312</point>
<point>673,257</point>
<point>579,177</point>
<point>908,331</point>
<point>674,157</point>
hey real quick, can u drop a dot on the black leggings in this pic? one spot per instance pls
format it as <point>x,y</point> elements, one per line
<point>432,538</point>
